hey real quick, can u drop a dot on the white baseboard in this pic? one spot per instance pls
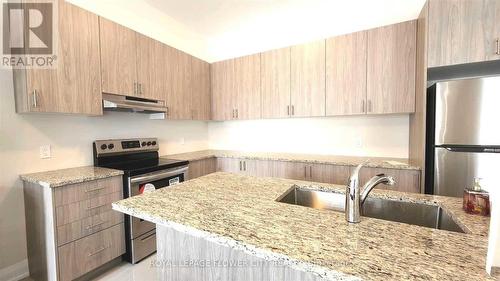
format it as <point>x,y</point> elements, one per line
<point>15,272</point>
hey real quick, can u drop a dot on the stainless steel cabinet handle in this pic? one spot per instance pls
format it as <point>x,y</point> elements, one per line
<point>135,88</point>
<point>241,169</point>
<point>94,189</point>
<point>35,99</point>
<point>363,106</point>
<point>233,114</point>
<point>140,89</point>
<point>149,237</point>
<point>305,172</point>
<point>244,165</point>
<point>293,110</point>
<point>498,46</point>
<point>94,225</point>
<point>237,114</point>
<point>166,111</point>
<point>310,172</point>
<point>288,110</point>
<point>98,251</point>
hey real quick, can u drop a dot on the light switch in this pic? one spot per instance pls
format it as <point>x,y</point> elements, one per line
<point>45,151</point>
<point>358,142</point>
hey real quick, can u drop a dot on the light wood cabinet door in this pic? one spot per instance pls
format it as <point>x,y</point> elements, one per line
<point>289,170</point>
<point>308,79</point>
<point>391,69</point>
<point>202,167</point>
<point>247,87</point>
<point>179,98</point>
<point>118,58</point>
<point>406,180</point>
<point>223,90</point>
<point>229,165</point>
<point>149,70</point>
<point>463,31</point>
<point>346,74</point>
<point>74,85</point>
<point>326,173</point>
<point>200,89</point>
<point>275,83</point>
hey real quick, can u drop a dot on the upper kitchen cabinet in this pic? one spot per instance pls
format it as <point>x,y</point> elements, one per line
<point>200,89</point>
<point>275,83</point>
<point>236,88</point>
<point>463,31</point>
<point>150,70</point>
<point>308,79</point>
<point>247,83</point>
<point>73,86</point>
<point>391,69</point>
<point>118,59</point>
<point>346,74</point>
<point>178,99</point>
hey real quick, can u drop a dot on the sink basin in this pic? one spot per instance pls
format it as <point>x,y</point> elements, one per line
<point>426,215</point>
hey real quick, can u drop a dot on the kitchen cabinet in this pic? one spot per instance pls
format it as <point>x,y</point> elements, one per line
<point>178,98</point>
<point>118,59</point>
<point>236,88</point>
<point>74,84</point>
<point>72,230</point>
<point>200,89</point>
<point>327,173</point>
<point>150,70</point>
<point>346,74</point>
<point>240,166</point>
<point>275,83</point>
<point>391,69</point>
<point>308,79</point>
<point>202,167</point>
<point>406,180</point>
<point>463,31</point>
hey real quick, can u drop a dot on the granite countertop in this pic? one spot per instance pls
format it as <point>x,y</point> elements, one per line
<point>242,211</point>
<point>374,162</point>
<point>70,176</point>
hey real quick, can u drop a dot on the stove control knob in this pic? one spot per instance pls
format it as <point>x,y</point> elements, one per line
<point>111,146</point>
<point>153,143</point>
<point>103,146</point>
<point>143,143</point>
<point>149,143</point>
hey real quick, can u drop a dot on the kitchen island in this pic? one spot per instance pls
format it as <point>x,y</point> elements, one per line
<point>230,227</point>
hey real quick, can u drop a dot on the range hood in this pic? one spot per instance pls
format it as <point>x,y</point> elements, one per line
<point>112,102</point>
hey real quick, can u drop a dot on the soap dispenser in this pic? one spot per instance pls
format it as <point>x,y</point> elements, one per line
<point>476,200</point>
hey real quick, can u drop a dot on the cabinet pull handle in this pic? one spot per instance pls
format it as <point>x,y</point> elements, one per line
<point>166,111</point>
<point>94,225</point>
<point>293,110</point>
<point>94,189</point>
<point>98,251</point>
<point>232,114</point>
<point>140,89</point>
<point>363,106</point>
<point>237,114</point>
<point>135,88</point>
<point>35,99</point>
<point>95,207</point>
<point>244,165</point>
<point>498,46</point>
<point>240,166</point>
<point>305,172</point>
<point>288,110</point>
<point>310,172</point>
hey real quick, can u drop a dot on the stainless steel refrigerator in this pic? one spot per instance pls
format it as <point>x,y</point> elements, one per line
<point>465,140</point>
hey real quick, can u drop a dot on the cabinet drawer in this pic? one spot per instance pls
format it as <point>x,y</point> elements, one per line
<point>86,190</point>
<point>83,209</point>
<point>84,227</point>
<point>86,254</point>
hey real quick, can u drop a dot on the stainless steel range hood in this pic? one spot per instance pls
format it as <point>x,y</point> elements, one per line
<point>112,102</point>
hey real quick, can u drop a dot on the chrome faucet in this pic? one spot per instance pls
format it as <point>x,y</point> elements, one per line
<point>354,197</point>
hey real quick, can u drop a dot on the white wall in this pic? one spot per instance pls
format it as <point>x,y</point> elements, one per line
<point>70,138</point>
<point>378,135</point>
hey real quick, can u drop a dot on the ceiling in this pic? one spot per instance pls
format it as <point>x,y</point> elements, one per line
<point>219,29</point>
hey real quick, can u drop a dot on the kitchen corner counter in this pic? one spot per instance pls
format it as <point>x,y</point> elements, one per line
<point>374,162</point>
<point>63,177</point>
<point>242,212</point>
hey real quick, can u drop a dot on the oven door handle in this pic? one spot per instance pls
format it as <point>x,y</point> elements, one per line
<point>160,175</point>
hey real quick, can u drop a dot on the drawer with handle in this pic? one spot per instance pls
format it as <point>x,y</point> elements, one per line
<point>83,209</point>
<point>81,256</point>
<point>84,227</point>
<point>86,190</point>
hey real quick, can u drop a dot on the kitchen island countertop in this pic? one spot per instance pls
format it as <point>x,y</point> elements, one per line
<point>243,211</point>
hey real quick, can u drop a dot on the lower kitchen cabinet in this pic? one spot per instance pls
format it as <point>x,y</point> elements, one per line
<point>202,167</point>
<point>406,180</point>
<point>72,230</point>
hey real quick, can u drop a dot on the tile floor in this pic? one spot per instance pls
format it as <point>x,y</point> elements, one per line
<point>128,272</point>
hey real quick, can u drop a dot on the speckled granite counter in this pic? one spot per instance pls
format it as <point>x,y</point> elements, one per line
<point>374,162</point>
<point>69,176</point>
<point>242,211</point>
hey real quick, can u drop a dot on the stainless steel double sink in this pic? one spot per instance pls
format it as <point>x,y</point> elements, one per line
<point>426,215</point>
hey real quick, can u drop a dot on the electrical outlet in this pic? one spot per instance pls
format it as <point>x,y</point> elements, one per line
<point>45,151</point>
<point>358,142</point>
<point>183,141</point>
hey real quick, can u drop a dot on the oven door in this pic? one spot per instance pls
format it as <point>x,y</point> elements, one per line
<point>149,182</point>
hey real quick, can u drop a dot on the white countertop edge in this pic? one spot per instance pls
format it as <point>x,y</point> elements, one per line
<point>267,255</point>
